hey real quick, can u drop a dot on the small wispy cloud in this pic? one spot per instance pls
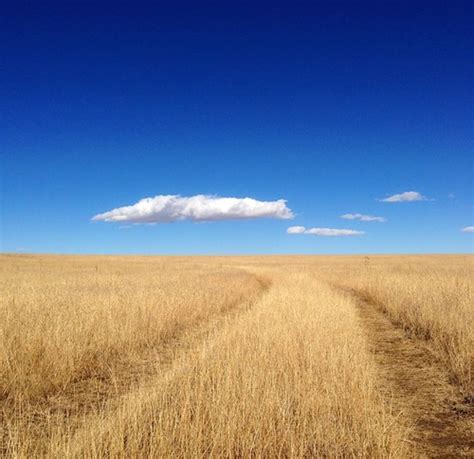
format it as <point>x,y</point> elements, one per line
<point>406,196</point>
<point>363,218</point>
<point>468,229</point>
<point>296,230</point>
<point>199,208</point>
<point>323,231</point>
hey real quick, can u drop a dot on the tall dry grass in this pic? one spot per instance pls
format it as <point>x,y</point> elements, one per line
<point>62,321</point>
<point>432,298</point>
<point>290,378</point>
<point>102,356</point>
<point>76,331</point>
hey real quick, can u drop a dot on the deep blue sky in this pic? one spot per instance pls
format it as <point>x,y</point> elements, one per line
<point>330,105</point>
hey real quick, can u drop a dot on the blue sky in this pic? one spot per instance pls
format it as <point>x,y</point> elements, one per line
<point>331,106</point>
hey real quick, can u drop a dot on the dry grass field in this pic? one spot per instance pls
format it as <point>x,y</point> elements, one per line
<point>236,356</point>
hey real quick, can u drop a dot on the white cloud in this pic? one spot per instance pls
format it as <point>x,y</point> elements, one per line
<point>363,218</point>
<point>323,231</point>
<point>333,232</point>
<point>468,229</point>
<point>296,230</point>
<point>171,208</point>
<point>406,196</point>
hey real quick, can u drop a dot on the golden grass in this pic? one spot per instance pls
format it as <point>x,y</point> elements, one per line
<point>222,357</point>
<point>74,330</point>
<point>432,298</point>
<point>290,377</point>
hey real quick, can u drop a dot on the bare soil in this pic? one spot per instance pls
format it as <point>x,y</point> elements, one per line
<point>441,419</point>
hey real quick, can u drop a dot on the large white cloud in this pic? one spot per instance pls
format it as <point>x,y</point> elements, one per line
<point>406,196</point>
<point>363,218</point>
<point>171,208</point>
<point>468,229</point>
<point>323,231</point>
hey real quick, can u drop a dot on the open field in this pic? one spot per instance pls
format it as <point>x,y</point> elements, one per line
<point>236,356</point>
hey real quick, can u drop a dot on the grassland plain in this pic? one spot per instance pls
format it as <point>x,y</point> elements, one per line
<point>236,356</point>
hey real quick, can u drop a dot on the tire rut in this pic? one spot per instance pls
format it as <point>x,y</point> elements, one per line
<point>441,421</point>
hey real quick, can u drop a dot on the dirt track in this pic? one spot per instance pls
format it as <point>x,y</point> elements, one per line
<point>412,378</point>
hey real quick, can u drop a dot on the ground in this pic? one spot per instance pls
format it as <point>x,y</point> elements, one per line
<point>236,356</point>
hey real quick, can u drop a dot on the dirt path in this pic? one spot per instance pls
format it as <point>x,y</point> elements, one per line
<point>412,378</point>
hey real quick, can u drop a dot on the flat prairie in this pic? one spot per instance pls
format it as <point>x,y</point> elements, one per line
<point>257,356</point>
